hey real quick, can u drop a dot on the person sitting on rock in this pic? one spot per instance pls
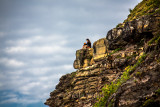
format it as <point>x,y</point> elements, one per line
<point>87,45</point>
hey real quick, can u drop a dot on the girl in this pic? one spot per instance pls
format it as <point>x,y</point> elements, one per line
<point>87,45</point>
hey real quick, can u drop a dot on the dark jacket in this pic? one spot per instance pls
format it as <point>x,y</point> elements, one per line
<point>88,44</point>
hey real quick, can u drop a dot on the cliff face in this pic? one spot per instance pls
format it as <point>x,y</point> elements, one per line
<point>121,70</point>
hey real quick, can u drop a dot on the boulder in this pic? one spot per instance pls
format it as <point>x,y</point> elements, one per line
<point>143,27</point>
<point>100,48</point>
<point>83,58</point>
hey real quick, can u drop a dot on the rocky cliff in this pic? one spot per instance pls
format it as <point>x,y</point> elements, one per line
<point>121,70</point>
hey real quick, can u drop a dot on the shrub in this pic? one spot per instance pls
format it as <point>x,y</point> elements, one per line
<point>109,89</point>
<point>130,10</point>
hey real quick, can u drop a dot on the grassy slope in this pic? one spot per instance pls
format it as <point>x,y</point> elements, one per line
<point>146,7</point>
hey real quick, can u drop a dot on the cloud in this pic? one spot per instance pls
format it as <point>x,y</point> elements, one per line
<point>30,83</point>
<point>29,31</point>
<point>10,100</point>
<point>11,62</point>
<point>21,42</point>
<point>38,50</point>
<point>2,34</point>
<point>17,49</point>
<point>20,100</point>
<point>51,44</point>
<point>38,39</point>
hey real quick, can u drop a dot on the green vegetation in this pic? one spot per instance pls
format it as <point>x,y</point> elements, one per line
<point>140,60</point>
<point>130,10</point>
<point>120,25</point>
<point>111,103</point>
<point>158,91</point>
<point>156,11</point>
<point>73,74</point>
<point>155,39</point>
<point>109,89</point>
<point>152,40</point>
<point>138,73</point>
<point>151,102</point>
<point>158,60</point>
<point>147,103</point>
<point>116,50</point>
<point>146,7</point>
<point>118,56</point>
<point>129,57</point>
<point>135,81</point>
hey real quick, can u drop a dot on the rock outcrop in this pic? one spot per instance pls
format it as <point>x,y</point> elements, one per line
<point>83,58</point>
<point>133,31</point>
<point>121,70</point>
<point>100,49</point>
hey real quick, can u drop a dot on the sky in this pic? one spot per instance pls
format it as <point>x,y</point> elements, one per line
<point>39,39</point>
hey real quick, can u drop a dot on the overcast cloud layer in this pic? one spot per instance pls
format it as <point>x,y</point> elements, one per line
<point>39,38</point>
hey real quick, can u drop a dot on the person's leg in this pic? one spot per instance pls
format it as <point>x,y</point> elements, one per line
<point>84,47</point>
<point>88,47</point>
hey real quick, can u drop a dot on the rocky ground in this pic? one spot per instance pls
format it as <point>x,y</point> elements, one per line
<point>121,70</point>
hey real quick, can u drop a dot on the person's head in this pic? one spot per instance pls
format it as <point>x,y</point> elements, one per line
<point>88,40</point>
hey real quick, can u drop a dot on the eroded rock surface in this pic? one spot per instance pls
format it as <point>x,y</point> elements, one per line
<point>133,31</point>
<point>141,89</point>
<point>105,63</point>
<point>100,49</point>
<point>83,58</point>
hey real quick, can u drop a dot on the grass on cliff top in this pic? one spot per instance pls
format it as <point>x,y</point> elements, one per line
<point>109,89</point>
<point>145,7</point>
